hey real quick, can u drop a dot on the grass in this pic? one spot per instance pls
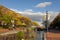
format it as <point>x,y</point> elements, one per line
<point>1,27</point>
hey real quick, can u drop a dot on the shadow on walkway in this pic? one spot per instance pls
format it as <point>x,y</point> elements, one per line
<point>54,30</point>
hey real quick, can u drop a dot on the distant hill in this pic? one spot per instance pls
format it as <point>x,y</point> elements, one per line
<point>6,15</point>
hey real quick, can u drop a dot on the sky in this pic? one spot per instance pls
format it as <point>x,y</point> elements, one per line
<point>31,4</point>
<point>34,9</point>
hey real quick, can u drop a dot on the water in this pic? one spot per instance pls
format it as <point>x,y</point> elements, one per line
<point>39,35</point>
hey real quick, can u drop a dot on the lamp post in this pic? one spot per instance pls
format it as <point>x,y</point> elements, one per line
<point>47,21</point>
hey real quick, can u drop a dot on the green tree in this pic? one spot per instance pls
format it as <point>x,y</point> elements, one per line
<point>20,35</point>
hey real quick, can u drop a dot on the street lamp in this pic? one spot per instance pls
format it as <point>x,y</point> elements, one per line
<point>46,20</point>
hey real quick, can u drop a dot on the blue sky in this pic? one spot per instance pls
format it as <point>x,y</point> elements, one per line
<point>34,9</point>
<point>30,4</point>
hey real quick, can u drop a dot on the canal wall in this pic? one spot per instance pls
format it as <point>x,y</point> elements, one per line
<point>8,37</point>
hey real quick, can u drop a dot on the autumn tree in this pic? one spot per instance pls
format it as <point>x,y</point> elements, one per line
<point>35,24</point>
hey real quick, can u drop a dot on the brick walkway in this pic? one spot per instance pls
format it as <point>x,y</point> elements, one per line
<point>53,36</point>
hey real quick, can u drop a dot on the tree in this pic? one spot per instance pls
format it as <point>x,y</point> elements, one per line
<point>35,24</point>
<point>56,22</point>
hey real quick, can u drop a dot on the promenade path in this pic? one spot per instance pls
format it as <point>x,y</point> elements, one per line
<point>52,36</point>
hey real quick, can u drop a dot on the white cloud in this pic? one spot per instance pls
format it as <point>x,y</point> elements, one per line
<point>53,15</point>
<point>28,10</point>
<point>44,4</point>
<point>36,16</point>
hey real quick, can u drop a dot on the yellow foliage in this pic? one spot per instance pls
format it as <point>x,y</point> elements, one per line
<point>35,24</point>
<point>18,22</point>
<point>11,15</point>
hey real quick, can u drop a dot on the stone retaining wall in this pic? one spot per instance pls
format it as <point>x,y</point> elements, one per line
<point>8,37</point>
<point>14,37</point>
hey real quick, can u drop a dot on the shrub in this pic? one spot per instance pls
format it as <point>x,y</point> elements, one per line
<point>20,35</point>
